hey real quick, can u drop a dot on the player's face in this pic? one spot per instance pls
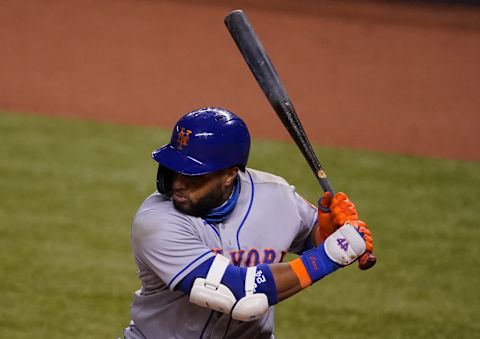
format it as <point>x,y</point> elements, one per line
<point>197,195</point>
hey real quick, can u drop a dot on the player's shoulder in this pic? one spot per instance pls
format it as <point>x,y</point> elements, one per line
<point>158,211</point>
<point>155,202</point>
<point>260,177</point>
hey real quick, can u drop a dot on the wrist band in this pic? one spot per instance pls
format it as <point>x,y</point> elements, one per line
<point>299,268</point>
<point>312,266</point>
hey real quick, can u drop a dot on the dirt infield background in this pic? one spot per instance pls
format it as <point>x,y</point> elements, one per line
<point>366,75</point>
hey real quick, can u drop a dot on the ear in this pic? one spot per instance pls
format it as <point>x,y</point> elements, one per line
<point>230,175</point>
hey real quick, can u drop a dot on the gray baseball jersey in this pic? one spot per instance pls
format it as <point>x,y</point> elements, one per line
<point>269,220</point>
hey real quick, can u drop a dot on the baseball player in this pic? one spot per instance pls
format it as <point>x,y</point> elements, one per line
<point>209,242</point>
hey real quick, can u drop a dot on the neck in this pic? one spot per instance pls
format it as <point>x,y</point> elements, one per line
<point>227,195</point>
<point>222,212</point>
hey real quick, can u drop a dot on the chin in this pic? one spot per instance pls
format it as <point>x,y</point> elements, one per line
<point>201,207</point>
<point>181,207</point>
<point>186,209</point>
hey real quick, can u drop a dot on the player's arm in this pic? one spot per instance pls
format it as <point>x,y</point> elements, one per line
<point>333,213</point>
<point>246,293</point>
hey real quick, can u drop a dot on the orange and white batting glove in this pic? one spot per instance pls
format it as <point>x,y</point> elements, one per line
<point>334,212</point>
<point>362,228</point>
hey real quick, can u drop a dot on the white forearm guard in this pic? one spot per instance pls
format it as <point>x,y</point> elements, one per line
<point>210,293</point>
<point>344,245</point>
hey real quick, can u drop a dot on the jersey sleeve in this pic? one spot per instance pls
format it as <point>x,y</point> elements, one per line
<point>307,216</point>
<point>168,244</point>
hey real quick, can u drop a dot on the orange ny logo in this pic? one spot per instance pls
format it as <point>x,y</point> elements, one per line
<point>183,137</point>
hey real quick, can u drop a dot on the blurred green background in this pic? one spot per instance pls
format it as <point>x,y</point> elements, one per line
<point>69,188</point>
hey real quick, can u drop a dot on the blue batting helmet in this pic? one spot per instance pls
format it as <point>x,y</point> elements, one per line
<point>204,141</point>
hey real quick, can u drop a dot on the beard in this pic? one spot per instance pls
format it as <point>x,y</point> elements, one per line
<point>213,199</point>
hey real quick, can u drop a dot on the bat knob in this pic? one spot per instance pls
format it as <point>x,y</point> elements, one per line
<point>366,261</point>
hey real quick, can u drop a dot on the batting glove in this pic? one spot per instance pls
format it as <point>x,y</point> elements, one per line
<point>334,212</point>
<point>363,230</point>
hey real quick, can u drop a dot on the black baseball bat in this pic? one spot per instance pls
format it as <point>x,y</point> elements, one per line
<point>267,77</point>
<point>269,81</point>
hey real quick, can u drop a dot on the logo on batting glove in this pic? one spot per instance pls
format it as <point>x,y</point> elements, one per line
<point>343,244</point>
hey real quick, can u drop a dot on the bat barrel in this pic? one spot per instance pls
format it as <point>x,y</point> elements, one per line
<point>267,77</point>
<point>254,54</point>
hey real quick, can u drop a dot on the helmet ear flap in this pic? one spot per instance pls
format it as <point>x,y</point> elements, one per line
<point>164,180</point>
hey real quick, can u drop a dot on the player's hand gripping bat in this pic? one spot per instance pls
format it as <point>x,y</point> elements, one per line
<point>259,63</point>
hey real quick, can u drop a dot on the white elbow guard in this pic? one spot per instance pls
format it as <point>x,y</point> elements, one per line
<point>253,305</point>
<point>344,245</point>
<point>210,293</point>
